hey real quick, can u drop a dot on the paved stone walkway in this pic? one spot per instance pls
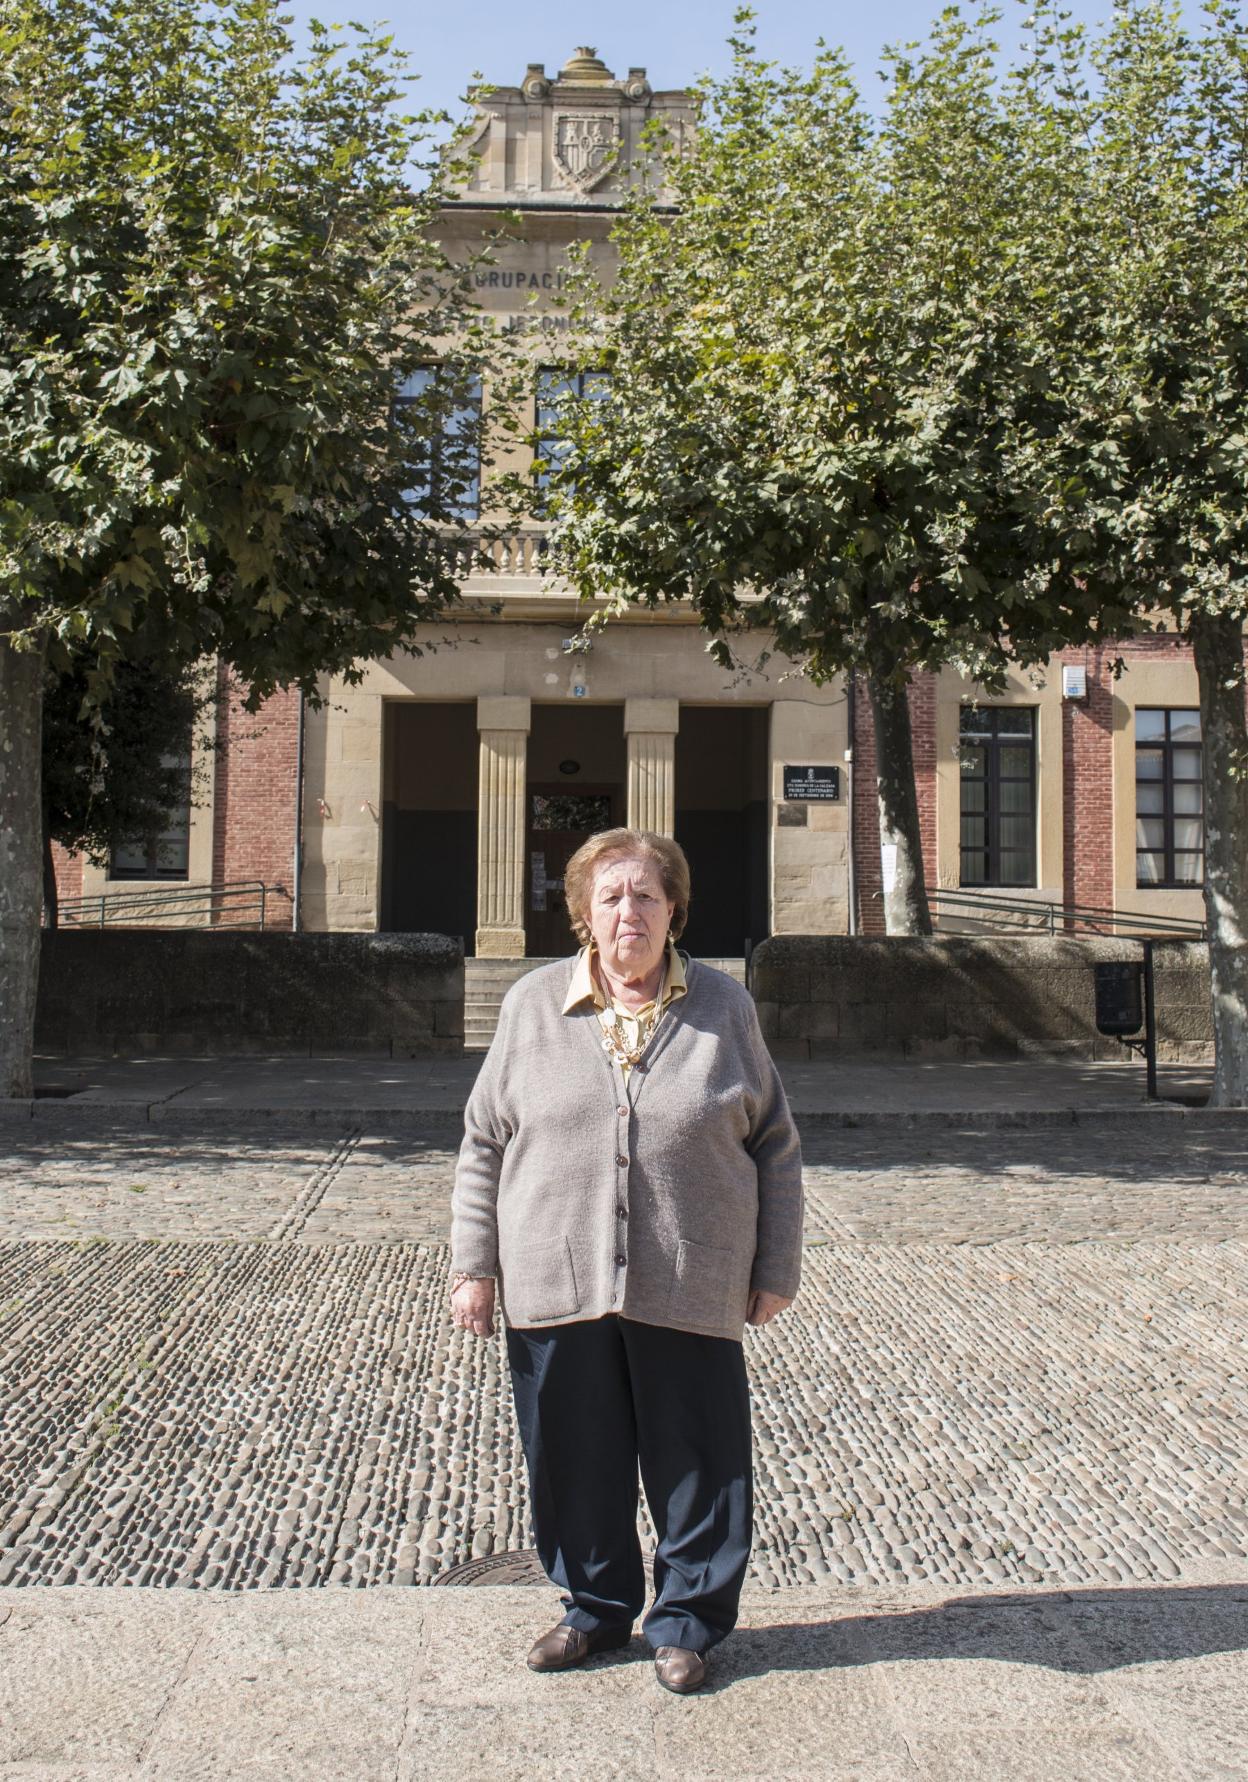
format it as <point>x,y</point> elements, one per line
<point>852,1686</point>
<point>1018,1358</point>
<point>385,1093</point>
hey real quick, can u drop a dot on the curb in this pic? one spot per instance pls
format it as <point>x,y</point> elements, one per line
<point>60,1115</point>
<point>994,1119</point>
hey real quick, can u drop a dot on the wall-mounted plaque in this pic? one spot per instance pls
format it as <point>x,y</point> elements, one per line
<point>812,785</point>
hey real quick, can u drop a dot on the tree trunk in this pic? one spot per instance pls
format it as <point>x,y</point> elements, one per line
<point>21,852</point>
<point>51,899</point>
<point>1218,646</point>
<point>901,850</point>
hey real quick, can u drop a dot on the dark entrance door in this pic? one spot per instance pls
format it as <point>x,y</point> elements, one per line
<point>559,821</point>
<point>429,819</point>
<point>721,823</point>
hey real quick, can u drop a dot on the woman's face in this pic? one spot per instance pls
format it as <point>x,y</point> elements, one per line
<point>629,915</point>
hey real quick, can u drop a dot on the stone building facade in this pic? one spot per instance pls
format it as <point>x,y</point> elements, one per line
<point>447,790</point>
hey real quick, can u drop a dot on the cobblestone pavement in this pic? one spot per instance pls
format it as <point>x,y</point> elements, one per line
<point>312,1187</point>
<point>1047,1184</point>
<point>1017,1357</point>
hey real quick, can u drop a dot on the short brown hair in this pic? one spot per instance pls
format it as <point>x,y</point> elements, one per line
<point>617,844</point>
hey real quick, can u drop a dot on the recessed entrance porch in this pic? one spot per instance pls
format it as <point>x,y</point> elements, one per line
<point>485,803</point>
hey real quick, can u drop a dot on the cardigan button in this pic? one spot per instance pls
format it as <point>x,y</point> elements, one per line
<point>622,1112</point>
<point>620,1261</point>
<point>622,1161</point>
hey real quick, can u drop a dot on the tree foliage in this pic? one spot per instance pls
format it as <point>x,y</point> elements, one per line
<point>826,422</point>
<point>1144,126</point>
<point>215,278</point>
<point>960,388</point>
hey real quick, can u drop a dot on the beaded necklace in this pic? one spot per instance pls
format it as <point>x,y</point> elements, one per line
<point>615,1041</point>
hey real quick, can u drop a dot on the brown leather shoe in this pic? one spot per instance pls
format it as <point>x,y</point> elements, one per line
<point>565,1646</point>
<point>678,1668</point>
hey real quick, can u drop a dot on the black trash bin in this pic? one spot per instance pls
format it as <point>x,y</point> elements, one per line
<point>1119,996</point>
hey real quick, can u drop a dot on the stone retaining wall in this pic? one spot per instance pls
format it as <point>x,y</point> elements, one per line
<point>964,997</point>
<point>191,990</point>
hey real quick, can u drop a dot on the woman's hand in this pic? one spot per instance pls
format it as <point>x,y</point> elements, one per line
<point>764,1306</point>
<point>472,1307</point>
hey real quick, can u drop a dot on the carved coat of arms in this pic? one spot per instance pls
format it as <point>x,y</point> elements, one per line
<point>586,146</point>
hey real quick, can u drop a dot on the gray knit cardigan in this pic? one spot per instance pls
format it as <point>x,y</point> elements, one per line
<point>665,1196</point>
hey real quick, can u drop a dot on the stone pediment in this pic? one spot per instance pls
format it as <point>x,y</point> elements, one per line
<point>567,140</point>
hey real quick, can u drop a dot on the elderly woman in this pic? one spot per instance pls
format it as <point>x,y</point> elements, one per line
<point>631,1177</point>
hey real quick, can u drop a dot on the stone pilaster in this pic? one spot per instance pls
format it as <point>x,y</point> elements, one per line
<point>503,724</point>
<point>650,726</point>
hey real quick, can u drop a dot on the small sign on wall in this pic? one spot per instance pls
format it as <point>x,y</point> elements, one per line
<point>812,785</point>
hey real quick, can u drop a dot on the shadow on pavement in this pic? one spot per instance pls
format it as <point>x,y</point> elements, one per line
<point>1075,1631</point>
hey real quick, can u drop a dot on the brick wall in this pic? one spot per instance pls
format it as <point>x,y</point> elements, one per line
<point>254,792</point>
<point>1088,784</point>
<point>254,804</point>
<point>68,869</point>
<point>1087,777</point>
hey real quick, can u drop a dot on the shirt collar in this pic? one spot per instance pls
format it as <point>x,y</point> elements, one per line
<point>585,988</point>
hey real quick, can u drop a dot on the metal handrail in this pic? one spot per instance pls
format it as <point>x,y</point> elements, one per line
<point>1063,918</point>
<point>137,909</point>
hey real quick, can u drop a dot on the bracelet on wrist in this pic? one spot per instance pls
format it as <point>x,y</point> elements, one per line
<point>458,1279</point>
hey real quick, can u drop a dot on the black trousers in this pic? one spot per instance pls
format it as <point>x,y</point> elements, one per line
<point>597,1399</point>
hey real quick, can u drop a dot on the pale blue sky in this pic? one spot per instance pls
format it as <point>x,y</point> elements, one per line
<point>674,42</point>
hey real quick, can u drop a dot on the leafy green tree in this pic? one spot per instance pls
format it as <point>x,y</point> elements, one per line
<point>120,773</point>
<point>825,422</point>
<point>1143,325</point>
<point>214,276</point>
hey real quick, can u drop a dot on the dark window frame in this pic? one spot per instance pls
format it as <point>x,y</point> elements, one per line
<point>547,439</point>
<point>1166,745</point>
<point>469,507</point>
<point>157,867</point>
<point>993,742</point>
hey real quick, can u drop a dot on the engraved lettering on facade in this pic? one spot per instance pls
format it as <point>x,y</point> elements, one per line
<point>534,323</point>
<point>496,280</point>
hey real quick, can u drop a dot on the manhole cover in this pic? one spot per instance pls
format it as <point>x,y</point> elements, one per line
<point>519,1567</point>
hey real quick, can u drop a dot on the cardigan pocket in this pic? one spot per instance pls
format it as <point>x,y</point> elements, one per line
<point>709,1283</point>
<point>539,1282</point>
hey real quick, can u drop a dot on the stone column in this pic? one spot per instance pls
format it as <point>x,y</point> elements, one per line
<point>650,726</point>
<point>503,724</point>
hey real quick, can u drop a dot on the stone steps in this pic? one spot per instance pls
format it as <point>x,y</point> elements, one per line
<point>732,968</point>
<point>487,981</point>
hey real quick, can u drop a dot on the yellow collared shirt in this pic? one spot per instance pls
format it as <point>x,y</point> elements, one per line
<point>586,988</point>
